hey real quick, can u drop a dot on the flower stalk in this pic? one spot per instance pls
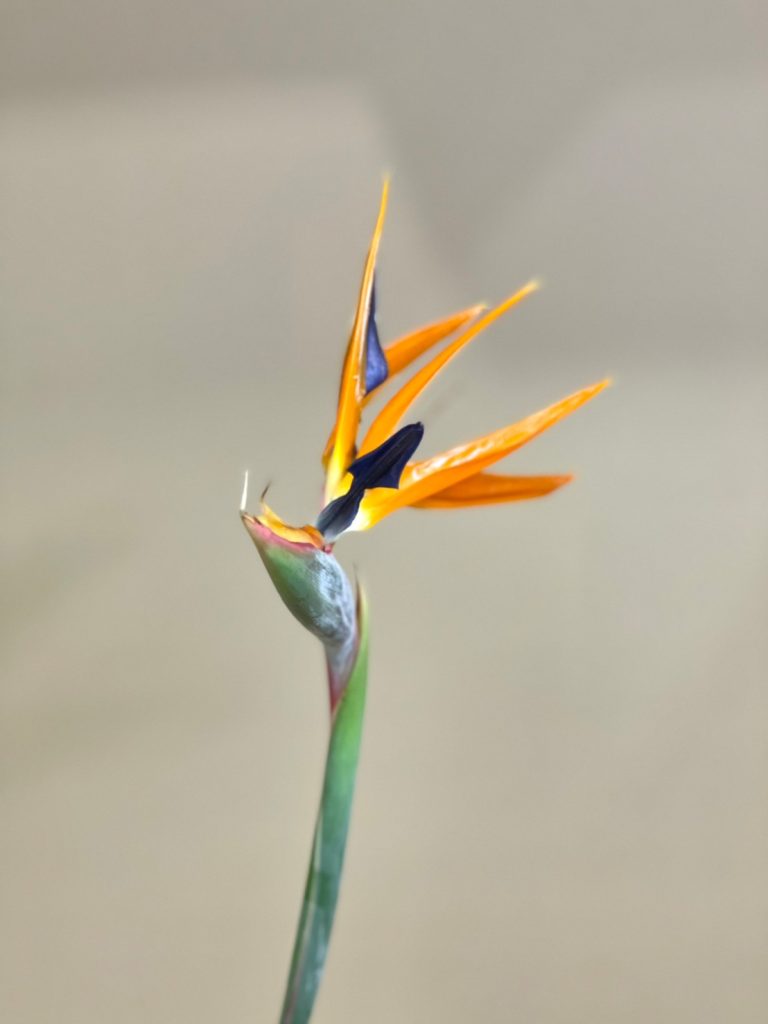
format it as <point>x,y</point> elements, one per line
<point>321,892</point>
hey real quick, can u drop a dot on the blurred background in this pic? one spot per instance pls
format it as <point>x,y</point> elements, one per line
<point>561,813</point>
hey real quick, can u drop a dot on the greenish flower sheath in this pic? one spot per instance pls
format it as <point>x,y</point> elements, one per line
<point>365,481</point>
<point>316,590</point>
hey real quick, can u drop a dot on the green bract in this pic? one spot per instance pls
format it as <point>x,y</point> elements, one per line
<point>316,590</point>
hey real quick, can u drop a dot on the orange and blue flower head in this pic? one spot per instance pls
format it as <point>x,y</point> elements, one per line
<point>367,480</point>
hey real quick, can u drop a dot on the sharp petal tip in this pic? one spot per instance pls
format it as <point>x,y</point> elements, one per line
<point>385,182</point>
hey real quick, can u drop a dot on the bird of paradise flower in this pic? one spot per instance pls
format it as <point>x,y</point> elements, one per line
<point>363,484</point>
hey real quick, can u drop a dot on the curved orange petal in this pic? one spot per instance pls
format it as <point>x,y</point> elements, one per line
<point>389,418</point>
<point>492,489</point>
<point>423,479</point>
<point>352,388</point>
<point>405,350</point>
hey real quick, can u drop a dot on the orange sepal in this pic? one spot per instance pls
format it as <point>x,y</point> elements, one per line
<point>421,480</point>
<point>405,350</point>
<point>493,489</point>
<point>352,388</point>
<point>389,418</point>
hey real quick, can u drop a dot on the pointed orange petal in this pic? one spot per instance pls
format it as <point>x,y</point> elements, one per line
<point>352,389</point>
<point>422,479</point>
<point>492,489</point>
<point>405,350</point>
<point>389,418</point>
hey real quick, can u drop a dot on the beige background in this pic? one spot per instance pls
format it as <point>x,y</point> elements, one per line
<point>561,812</point>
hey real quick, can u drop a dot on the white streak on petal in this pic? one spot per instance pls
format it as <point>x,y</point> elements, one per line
<point>244,498</point>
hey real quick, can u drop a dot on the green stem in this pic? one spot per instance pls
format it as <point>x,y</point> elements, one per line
<point>324,876</point>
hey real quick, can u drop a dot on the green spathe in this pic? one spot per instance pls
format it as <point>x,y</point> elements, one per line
<point>316,590</point>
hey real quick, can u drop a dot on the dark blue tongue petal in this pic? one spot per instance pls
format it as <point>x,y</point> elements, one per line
<point>339,514</point>
<point>376,369</point>
<point>382,467</point>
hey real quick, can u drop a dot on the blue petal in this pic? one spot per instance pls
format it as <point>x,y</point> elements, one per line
<point>382,467</point>
<point>376,369</point>
<point>339,514</point>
